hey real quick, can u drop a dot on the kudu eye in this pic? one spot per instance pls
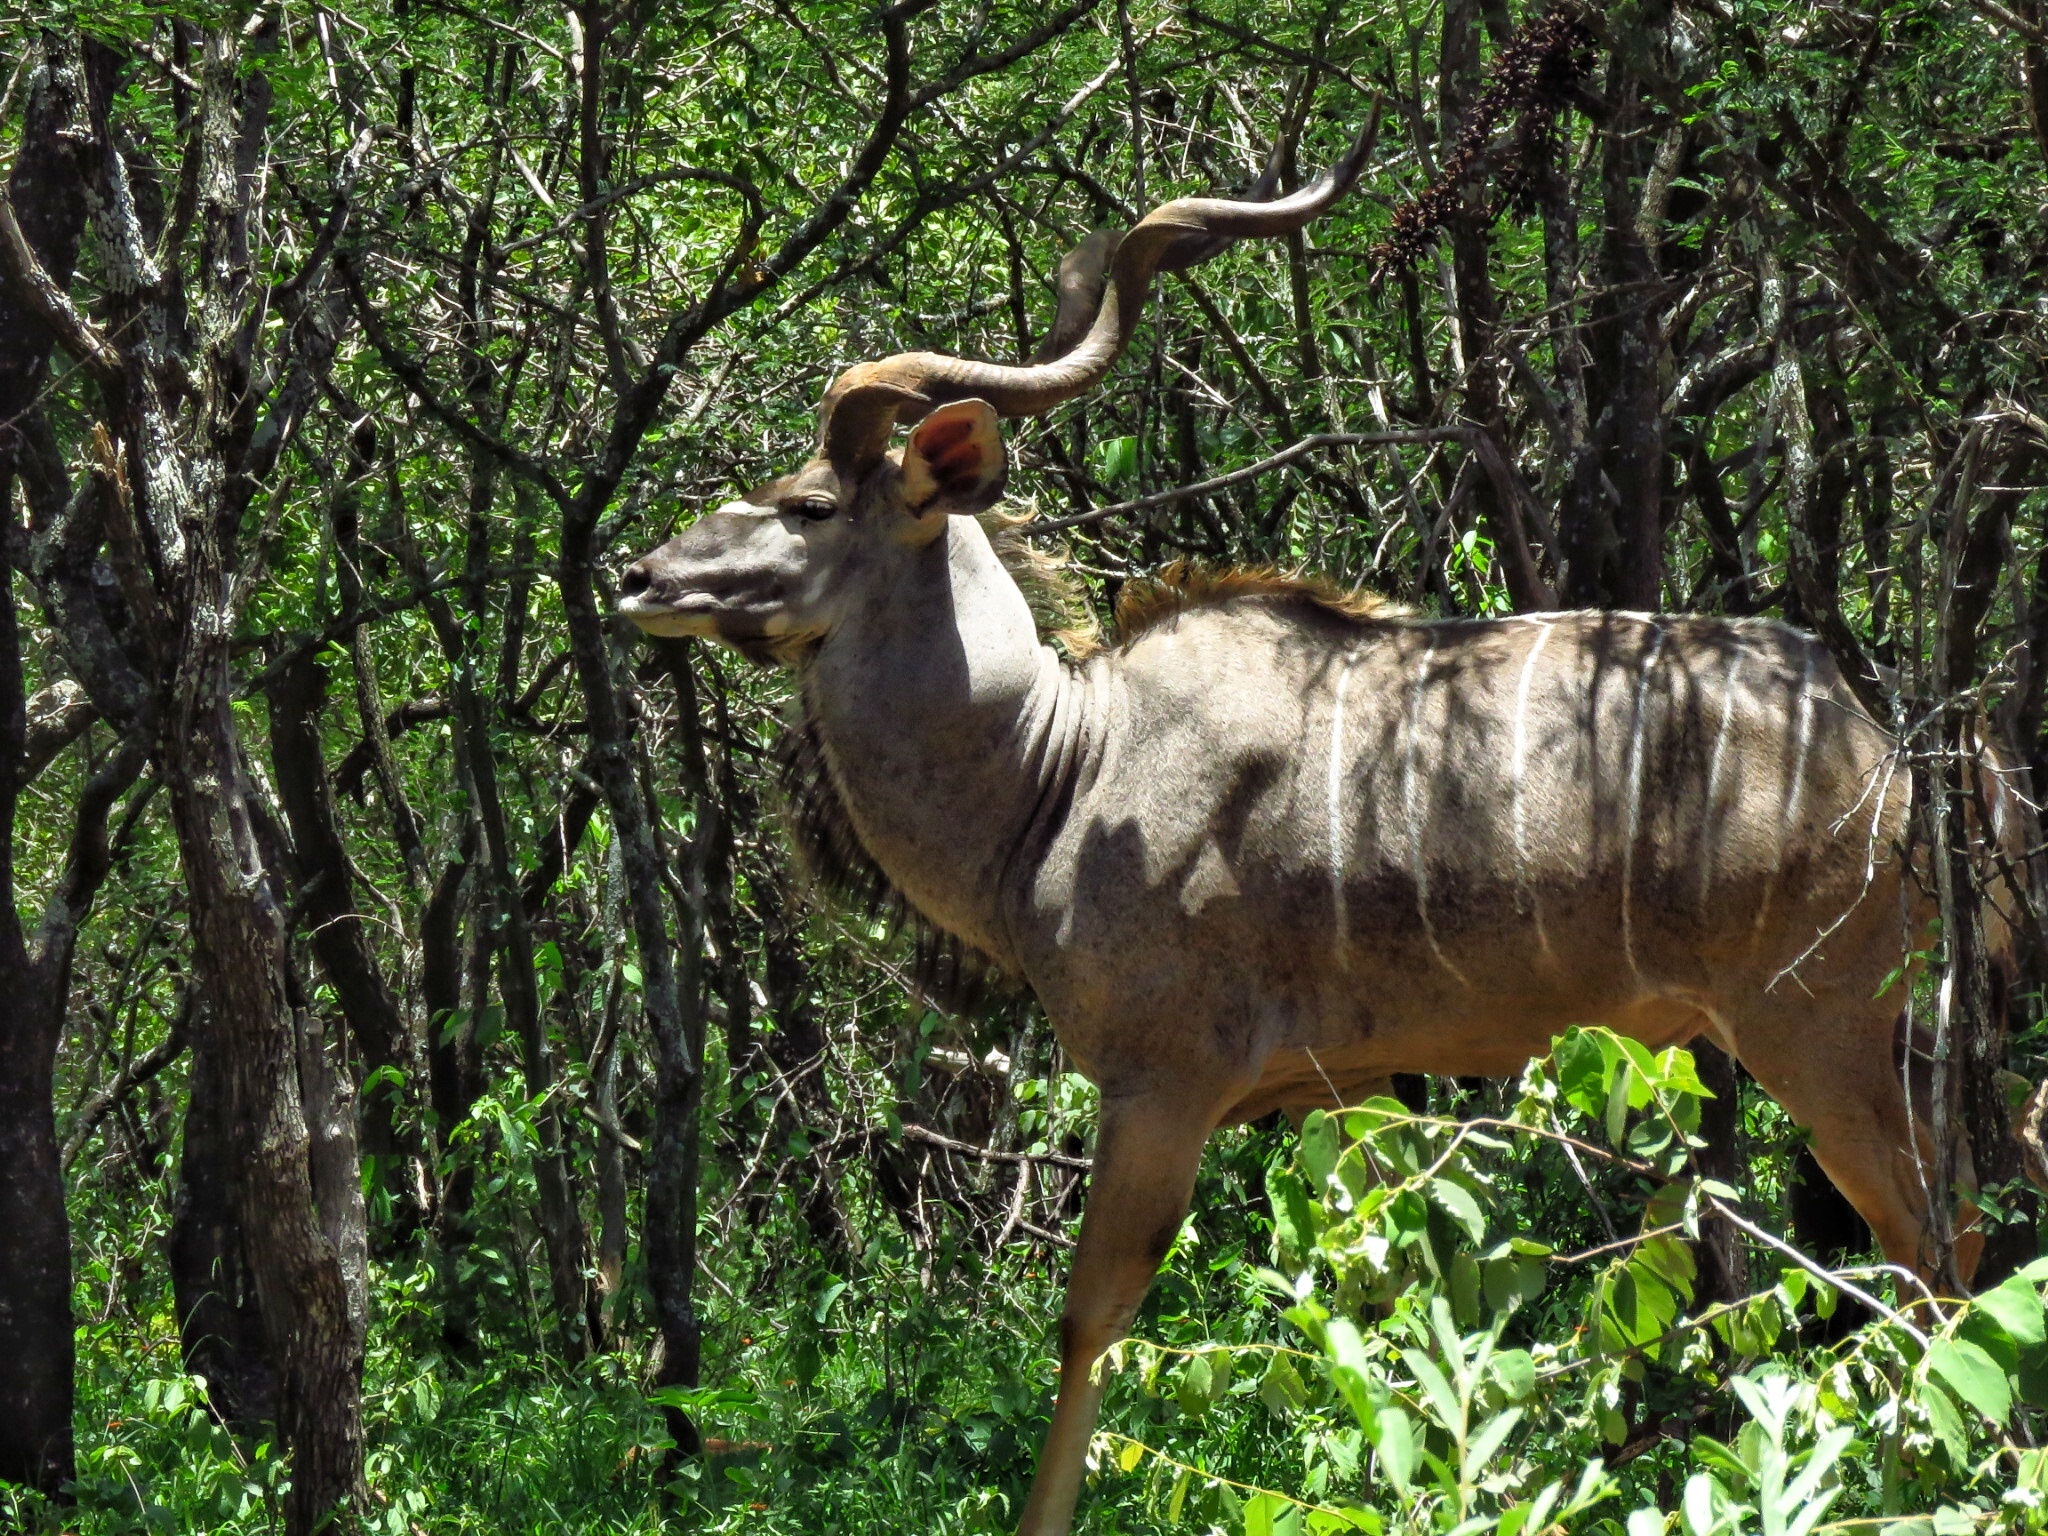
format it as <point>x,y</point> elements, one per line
<point>815,509</point>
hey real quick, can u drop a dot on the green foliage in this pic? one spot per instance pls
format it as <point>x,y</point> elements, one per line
<point>1440,1394</point>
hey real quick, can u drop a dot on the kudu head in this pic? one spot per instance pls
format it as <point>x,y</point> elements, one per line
<point>773,572</point>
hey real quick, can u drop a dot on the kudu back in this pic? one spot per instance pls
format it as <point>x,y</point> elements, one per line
<point>1274,845</point>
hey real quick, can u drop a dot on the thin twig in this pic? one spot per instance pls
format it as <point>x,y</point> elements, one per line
<point>990,1155</point>
<point>1819,1271</point>
<point>1302,449</point>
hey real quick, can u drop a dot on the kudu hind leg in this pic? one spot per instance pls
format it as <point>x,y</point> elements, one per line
<point>1835,1073</point>
<point>1146,1157</point>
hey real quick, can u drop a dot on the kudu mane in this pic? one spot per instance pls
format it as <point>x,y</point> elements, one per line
<point>1183,586</point>
<point>947,972</point>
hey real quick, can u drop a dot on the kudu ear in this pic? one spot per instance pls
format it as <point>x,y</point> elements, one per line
<point>954,462</point>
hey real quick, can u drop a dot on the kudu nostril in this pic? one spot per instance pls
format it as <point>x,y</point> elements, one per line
<point>637,579</point>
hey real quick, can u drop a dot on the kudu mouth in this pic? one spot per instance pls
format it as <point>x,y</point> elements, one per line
<point>667,596</point>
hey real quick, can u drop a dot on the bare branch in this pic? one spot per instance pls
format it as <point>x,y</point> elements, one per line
<point>1302,449</point>
<point>990,1154</point>
<point>43,298</point>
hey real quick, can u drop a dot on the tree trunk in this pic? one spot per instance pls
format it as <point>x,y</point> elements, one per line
<point>672,992</point>
<point>35,1261</point>
<point>338,937</point>
<point>1627,337</point>
<point>219,1322</point>
<point>1723,1266</point>
<point>453,1086</point>
<point>47,189</point>
<point>295,1266</point>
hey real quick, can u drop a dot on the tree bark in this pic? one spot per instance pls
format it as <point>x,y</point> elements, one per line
<point>453,1083</point>
<point>35,1261</point>
<point>338,937</point>
<point>1626,333</point>
<point>213,1290</point>
<point>1723,1267</point>
<point>47,190</point>
<point>1967,885</point>
<point>240,961</point>
<point>180,394</point>
<point>1471,246</point>
<point>672,994</point>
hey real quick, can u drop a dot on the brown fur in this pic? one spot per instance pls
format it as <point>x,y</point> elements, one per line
<point>949,973</point>
<point>1287,841</point>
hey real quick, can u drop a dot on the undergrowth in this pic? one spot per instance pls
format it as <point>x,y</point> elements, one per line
<point>1482,1320</point>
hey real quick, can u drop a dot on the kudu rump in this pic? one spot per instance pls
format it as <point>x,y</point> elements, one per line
<point>1274,845</point>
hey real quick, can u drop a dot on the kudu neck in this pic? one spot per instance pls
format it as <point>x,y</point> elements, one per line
<point>941,717</point>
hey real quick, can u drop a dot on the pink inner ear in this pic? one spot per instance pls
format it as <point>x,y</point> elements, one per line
<point>951,454</point>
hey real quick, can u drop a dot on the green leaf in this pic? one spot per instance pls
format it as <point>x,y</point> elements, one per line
<point>1946,1423</point>
<point>823,1306</point>
<point>1116,458</point>
<point>1396,1445</point>
<point>1436,1386</point>
<point>2016,1307</point>
<point>1458,1201</point>
<point>1352,1372</point>
<point>1465,1289</point>
<point>2032,1376</point>
<point>1515,1370</point>
<point>1501,1281</point>
<point>1281,1389</point>
<point>1973,1376</point>
<point>1220,1367</point>
<point>1319,1148</point>
<point>1582,1071</point>
<point>1258,1517</point>
<point>1489,1438</point>
<point>1295,1217</point>
<point>1618,1105</point>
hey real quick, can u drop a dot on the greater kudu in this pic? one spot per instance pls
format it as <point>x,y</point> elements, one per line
<point>1273,845</point>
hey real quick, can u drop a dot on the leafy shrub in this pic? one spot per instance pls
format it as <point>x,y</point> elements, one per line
<point>1461,1377</point>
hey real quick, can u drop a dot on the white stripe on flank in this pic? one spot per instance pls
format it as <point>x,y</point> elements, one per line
<point>1333,809</point>
<point>1795,800</point>
<point>1635,800</point>
<point>1524,888</point>
<point>1418,854</point>
<point>1795,794</point>
<point>1707,852</point>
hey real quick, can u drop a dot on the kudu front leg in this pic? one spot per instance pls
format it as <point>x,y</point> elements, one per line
<point>1146,1156</point>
